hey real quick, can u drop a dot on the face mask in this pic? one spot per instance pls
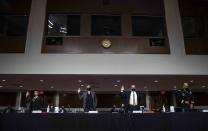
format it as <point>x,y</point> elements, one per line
<point>133,89</point>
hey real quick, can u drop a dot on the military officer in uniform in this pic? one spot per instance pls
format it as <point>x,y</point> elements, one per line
<point>185,98</point>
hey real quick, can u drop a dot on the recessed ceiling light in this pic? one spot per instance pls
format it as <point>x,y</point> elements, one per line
<point>118,81</point>
<point>21,86</point>
<point>1,86</point>
<point>52,87</point>
<point>115,85</point>
<point>203,86</point>
<point>3,80</point>
<point>191,81</point>
<point>79,81</point>
<point>156,81</point>
<point>174,87</point>
<point>41,80</point>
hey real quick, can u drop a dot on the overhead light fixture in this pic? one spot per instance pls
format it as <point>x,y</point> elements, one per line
<point>50,22</point>
<point>1,86</point>
<point>203,86</point>
<point>191,81</point>
<point>175,87</point>
<point>79,81</point>
<point>82,85</point>
<point>145,87</point>
<point>118,81</point>
<point>115,85</point>
<point>3,80</point>
<point>52,87</point>
<point>156,81</point>
<point>63,28</point>
<point>21,86</point>
<point>41,80</point>
<point>50,26</point>
<point>63,31</point>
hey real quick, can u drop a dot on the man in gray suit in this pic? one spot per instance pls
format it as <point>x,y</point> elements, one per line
<point>89,99</point>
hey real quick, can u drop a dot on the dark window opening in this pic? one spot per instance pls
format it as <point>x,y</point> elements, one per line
<point>106,2</point>
<point>147,26</point>
<point>63,25</point>
<point>13,25</point>
<point>106,25</point>
<point>192,27</point>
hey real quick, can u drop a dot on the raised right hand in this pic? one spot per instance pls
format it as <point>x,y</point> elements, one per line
<point>79,90</point>
<point>122,88</point>
<point>27,93</point>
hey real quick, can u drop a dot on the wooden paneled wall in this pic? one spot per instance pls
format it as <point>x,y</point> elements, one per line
<point>196,8</point>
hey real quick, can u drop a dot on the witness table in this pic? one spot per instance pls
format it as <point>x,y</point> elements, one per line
<point>104,122</point>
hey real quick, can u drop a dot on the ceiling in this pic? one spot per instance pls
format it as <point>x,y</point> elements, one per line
<point>100,83</point>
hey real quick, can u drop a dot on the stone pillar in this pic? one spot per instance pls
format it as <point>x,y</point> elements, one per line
<point>36,28</point>
<point>147,100</point>
<point>174,27</point>
<point>18,99</point>
<point>56,99</point>
<point>173,99</point>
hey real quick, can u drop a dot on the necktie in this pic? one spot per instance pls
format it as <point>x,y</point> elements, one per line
<point>134,103</point>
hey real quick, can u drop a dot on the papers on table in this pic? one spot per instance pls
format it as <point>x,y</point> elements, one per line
<point>205,110</point>
<point>136,111</point>
<point>93,112</point>
<point>37,111</point>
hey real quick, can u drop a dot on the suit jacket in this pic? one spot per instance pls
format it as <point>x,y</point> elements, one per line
<point>37,104</point>
<point>83,97</point>
<point>28,103</point>
<point>184,95</point>
<point>126,95</point>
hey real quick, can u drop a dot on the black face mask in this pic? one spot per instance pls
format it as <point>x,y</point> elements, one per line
<point>88,89</point>
<point>133,89</point>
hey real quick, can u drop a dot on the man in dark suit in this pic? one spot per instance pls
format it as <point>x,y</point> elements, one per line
<point>114,109</point>
<point>36,103</point>
<point>89,99</point>
<point>122,109</point>
<point>132,97</point>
